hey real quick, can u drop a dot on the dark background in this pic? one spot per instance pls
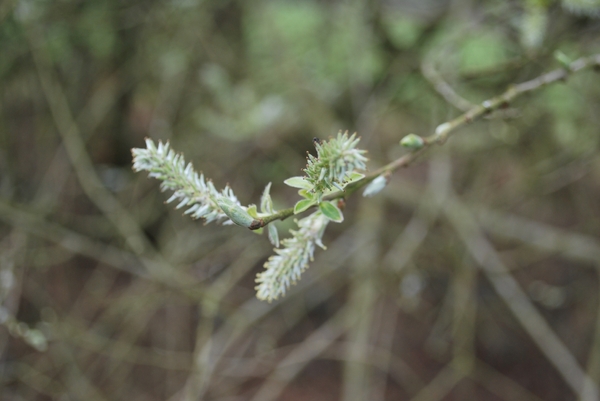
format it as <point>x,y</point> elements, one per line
<point>106,293</point>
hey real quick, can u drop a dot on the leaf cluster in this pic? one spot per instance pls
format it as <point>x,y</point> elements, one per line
<point>334,167</point>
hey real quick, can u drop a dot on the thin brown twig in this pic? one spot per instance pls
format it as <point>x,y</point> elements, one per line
<point>253,310</point>
<point>499,384</point>
<point>572,245</point>
<point>517,301</point>
<point>441,385</point>
<point>593,362</point>
<point>70,240</point>
<point>445,130</point>
<point>443,88</point>
<point>509,290</point>
<point>318,341</point>
<point>362,300</point>
<point>91,184</point>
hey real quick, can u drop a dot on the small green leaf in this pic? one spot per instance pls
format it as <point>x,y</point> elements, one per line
<point>331,211</point>
<point>258,231</point>
<point>266,204</point>
<point>412,141</point>
<point>273,235</point>
<point>298,182</point>
<point>252,211</point>
<point>306,194</point>
<point>303,205</point>
<point>354,176</point>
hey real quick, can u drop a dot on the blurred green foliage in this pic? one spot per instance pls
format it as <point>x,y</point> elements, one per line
<point>483,51</point>
<point>242,88</point>
<point>304,43</point>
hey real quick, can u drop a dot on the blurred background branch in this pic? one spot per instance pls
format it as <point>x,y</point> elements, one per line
<point>472,275</point>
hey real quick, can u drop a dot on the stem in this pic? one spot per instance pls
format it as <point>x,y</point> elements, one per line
<point>444,130</point>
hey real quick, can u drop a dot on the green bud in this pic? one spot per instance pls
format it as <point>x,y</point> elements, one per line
<point>412,141</point>
<point>238,215</point>
<point>563,59</point>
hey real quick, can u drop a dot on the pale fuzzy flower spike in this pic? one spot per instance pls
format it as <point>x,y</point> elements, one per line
<point>285,268</point>
<point>336,160</point>
<point>190,189</point>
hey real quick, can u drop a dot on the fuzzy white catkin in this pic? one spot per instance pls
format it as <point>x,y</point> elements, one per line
<point>190,189</point>
<point>285,267</point>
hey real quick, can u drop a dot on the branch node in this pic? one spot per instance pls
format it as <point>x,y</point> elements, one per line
<point>256,224</point>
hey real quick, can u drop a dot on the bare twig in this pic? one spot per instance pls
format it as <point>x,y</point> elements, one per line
<point>444,88</point>
<point>518,302</point>
<point>507,287</point>
<point>253,311</point>
<point>86,174</point>
<point>593,362</point>
<point>445,130</point>
<point>70,240</point>
<point>293,364</point>
<point>539,235</point>
<point>357,381</point>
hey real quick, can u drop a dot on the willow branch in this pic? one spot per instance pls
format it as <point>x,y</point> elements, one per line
<point>443,88</point>
<point>445,130</point>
